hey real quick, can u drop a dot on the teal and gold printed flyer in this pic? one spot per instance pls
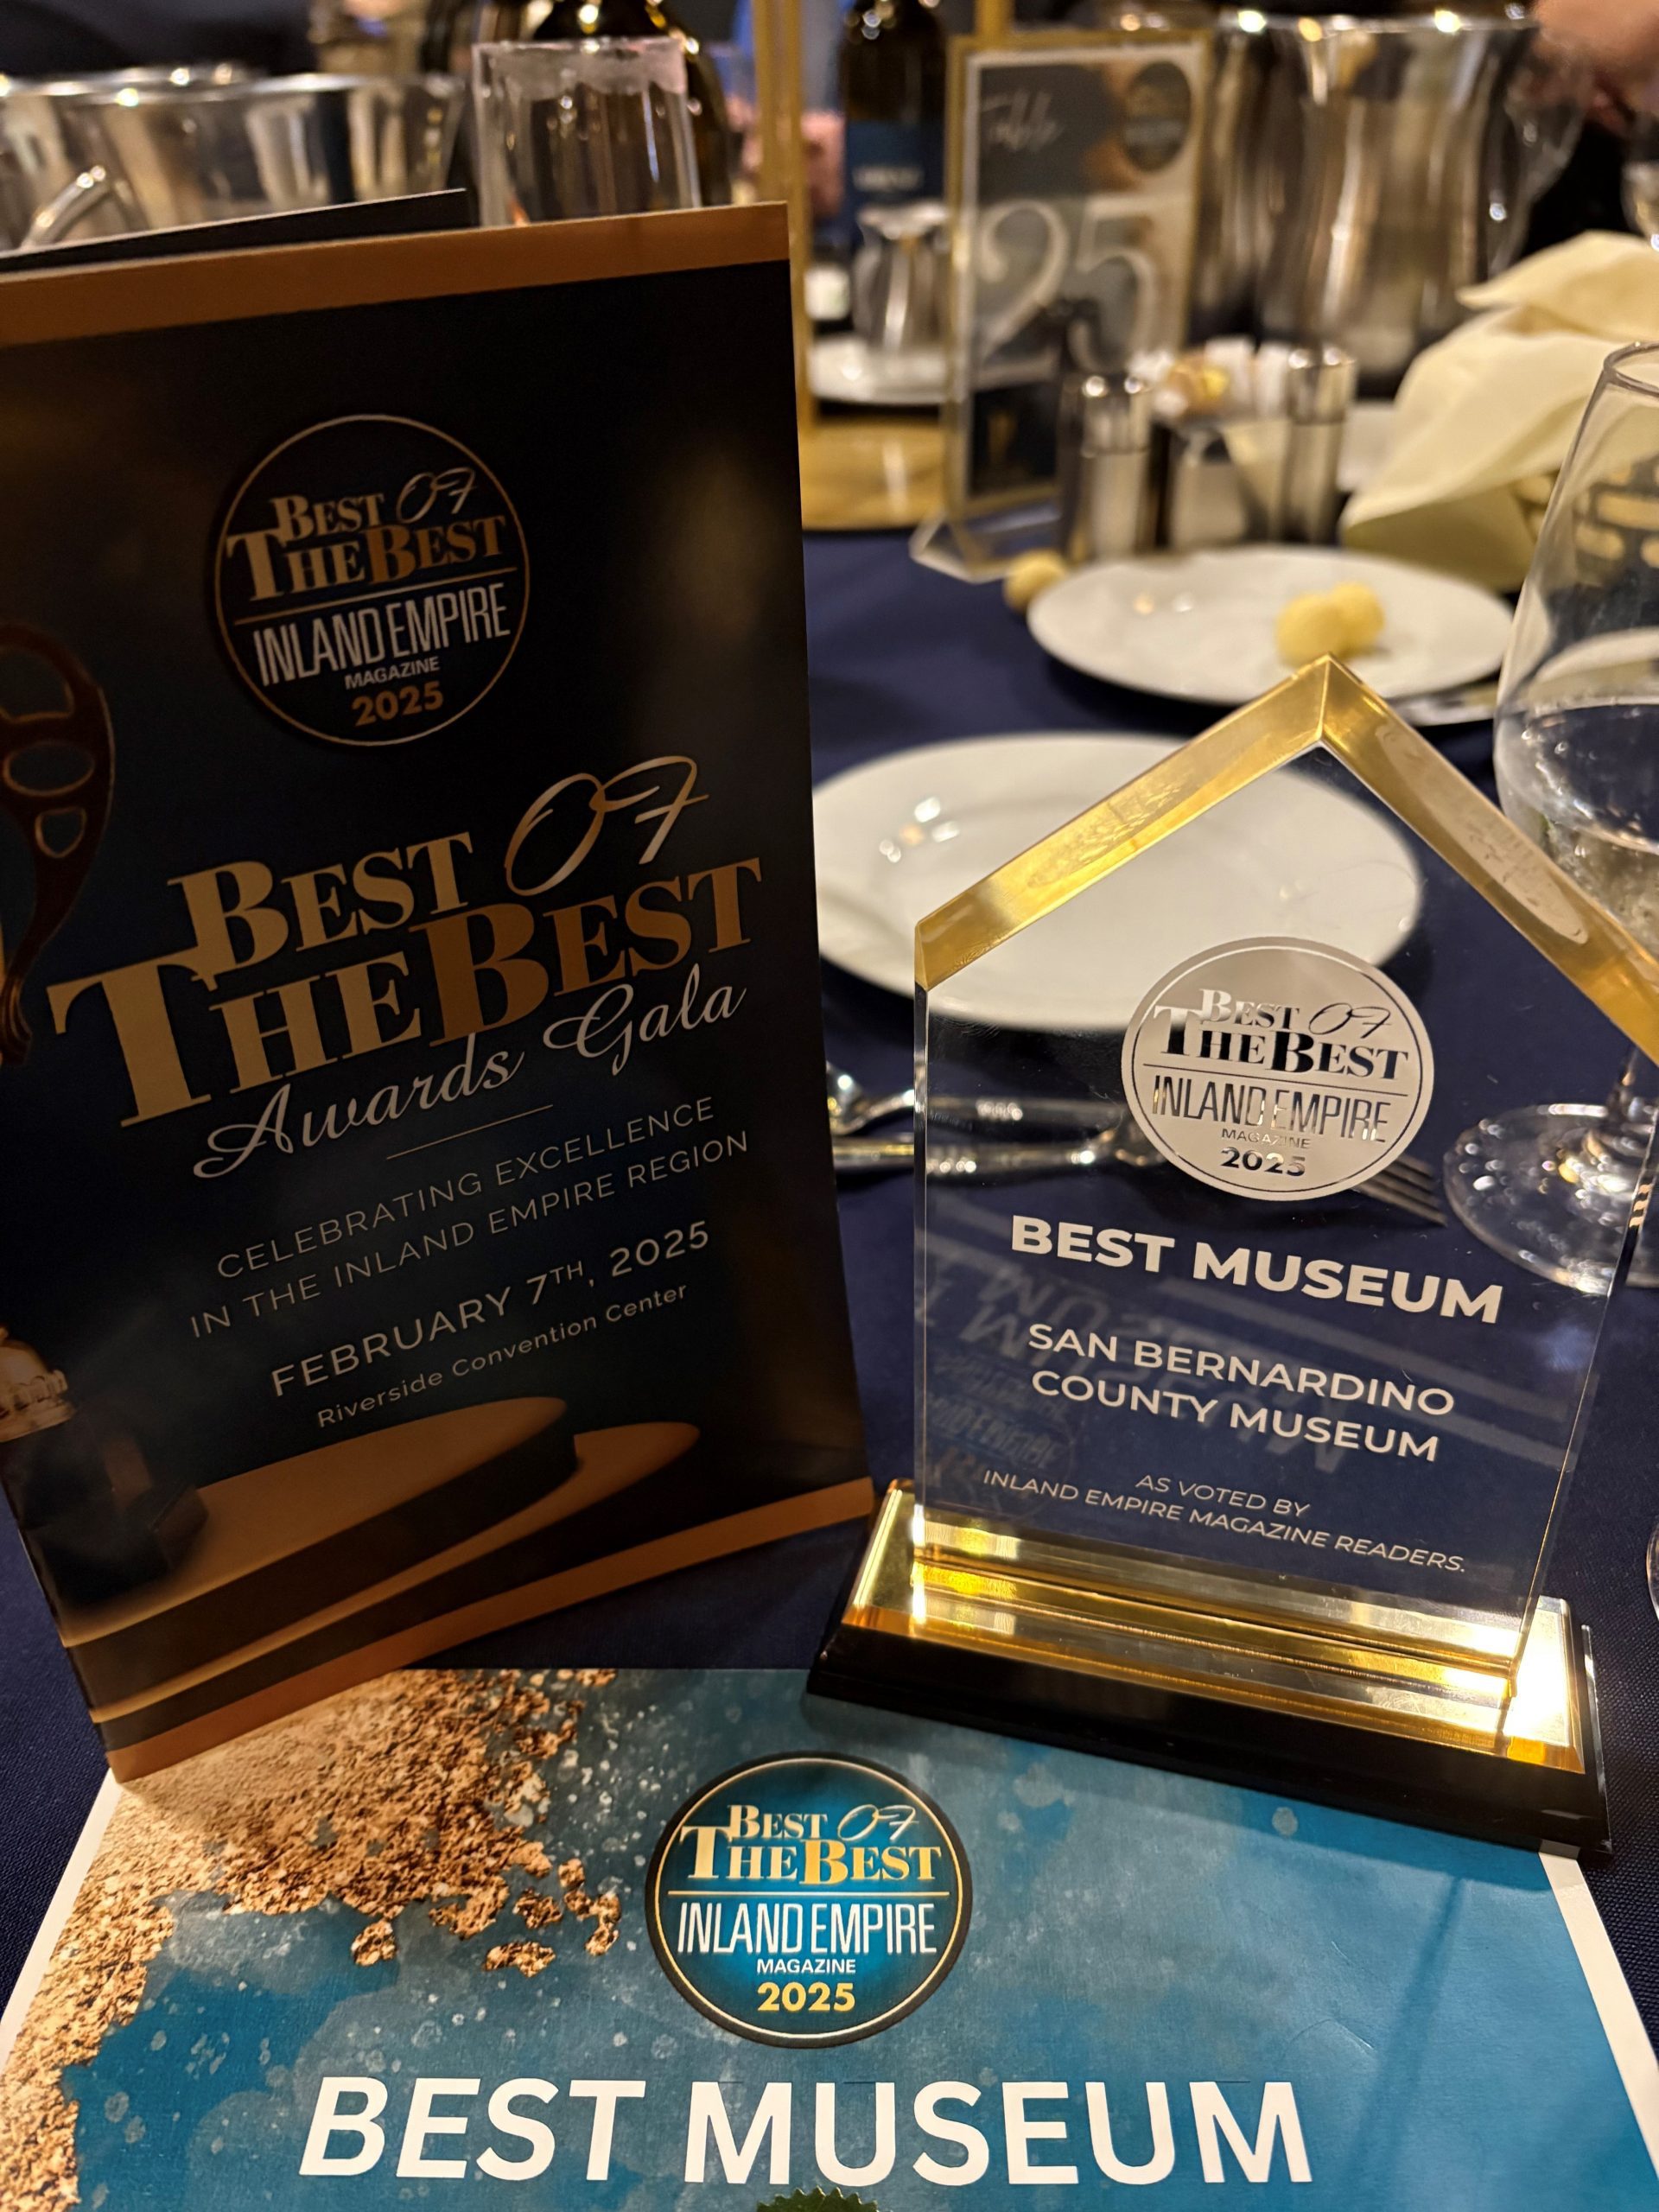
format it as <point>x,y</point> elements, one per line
<point>648,1941</point>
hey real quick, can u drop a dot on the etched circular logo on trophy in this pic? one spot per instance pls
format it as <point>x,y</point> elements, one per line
<point>371,580</point>
<point>807,1900</point>
<point>1278,1069</point>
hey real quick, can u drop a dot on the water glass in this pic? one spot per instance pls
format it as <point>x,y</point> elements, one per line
<point>572,127</point>
<point>1553,1186</point>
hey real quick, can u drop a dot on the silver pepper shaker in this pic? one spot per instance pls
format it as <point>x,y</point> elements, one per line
<point>1205,501</point>
<point>1105,443</point>
<point>1320,386</point>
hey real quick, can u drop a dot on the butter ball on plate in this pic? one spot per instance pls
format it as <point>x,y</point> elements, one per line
<point>1030,574</point>
<point>1348,621</point>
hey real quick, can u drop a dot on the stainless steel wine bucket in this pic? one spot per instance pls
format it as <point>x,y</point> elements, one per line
<point>47,143</point>
<point>172,155</point>
<point>1364,171</point>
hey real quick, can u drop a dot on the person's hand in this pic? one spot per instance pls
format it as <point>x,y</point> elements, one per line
<point>1620,36</point>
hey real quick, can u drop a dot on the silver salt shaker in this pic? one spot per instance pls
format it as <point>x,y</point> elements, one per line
<point>1105,465</point>
<point>1319,385</point>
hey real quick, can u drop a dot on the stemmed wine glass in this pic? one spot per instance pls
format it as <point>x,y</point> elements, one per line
<point>1558,1187</point>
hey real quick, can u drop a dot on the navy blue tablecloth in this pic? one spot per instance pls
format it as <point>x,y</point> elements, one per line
<point>901,657</point>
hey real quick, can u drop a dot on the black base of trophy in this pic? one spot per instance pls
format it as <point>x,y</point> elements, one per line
<point>1532,1794</point>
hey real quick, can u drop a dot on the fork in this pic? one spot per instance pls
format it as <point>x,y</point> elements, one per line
<point>1408,1185</point>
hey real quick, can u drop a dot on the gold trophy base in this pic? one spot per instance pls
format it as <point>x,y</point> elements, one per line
<point>876,473</point>
<point>1380,1707</point>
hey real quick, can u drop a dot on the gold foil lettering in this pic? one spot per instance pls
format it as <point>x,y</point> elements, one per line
<point>659,924</point>
<point>724,883</point>
<point>138,1010</point>
<point>575,942</point>
<point>211,918</point>
<point>375,889</point>
<point>441,861</point>
<point>315,908</point>
<point>298,1024</point>
<point>457,968</point>
<point>362,1003</point>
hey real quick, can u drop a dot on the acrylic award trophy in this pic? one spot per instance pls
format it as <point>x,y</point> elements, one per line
<point>1236,1450</point>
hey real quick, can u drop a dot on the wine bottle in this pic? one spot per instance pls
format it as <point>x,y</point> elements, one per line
<point>578,19</point>
<point>893,99</point>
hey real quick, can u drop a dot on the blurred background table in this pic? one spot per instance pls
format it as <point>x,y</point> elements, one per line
<point>902,656</point>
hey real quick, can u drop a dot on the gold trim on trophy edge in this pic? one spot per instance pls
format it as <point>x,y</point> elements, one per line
<point>1457,1636</point>
<point>1325,705</point>
<point>38,307</point>
<point>903,1589</point>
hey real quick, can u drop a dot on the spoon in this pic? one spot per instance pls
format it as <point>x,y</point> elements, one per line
<point>852,1108</point>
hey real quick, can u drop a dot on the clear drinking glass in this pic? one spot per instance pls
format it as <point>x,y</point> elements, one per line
<point>1556,1187</point>
<point>1577,768</point>
<point>597,127</point>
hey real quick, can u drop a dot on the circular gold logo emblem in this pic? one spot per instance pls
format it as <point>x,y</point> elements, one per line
<point>808,1899</point>
<point>1278,1069</point>
<point>370,581</point>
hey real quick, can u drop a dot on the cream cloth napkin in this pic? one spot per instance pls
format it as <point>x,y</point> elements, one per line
<point>1484,418</point>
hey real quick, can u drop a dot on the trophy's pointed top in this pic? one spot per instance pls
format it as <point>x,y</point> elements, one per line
<point>1322,706</point>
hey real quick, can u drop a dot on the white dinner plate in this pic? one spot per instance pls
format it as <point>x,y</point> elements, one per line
<point>844,368</point>
<point>1290,857</point>
<point>1200,625</point>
